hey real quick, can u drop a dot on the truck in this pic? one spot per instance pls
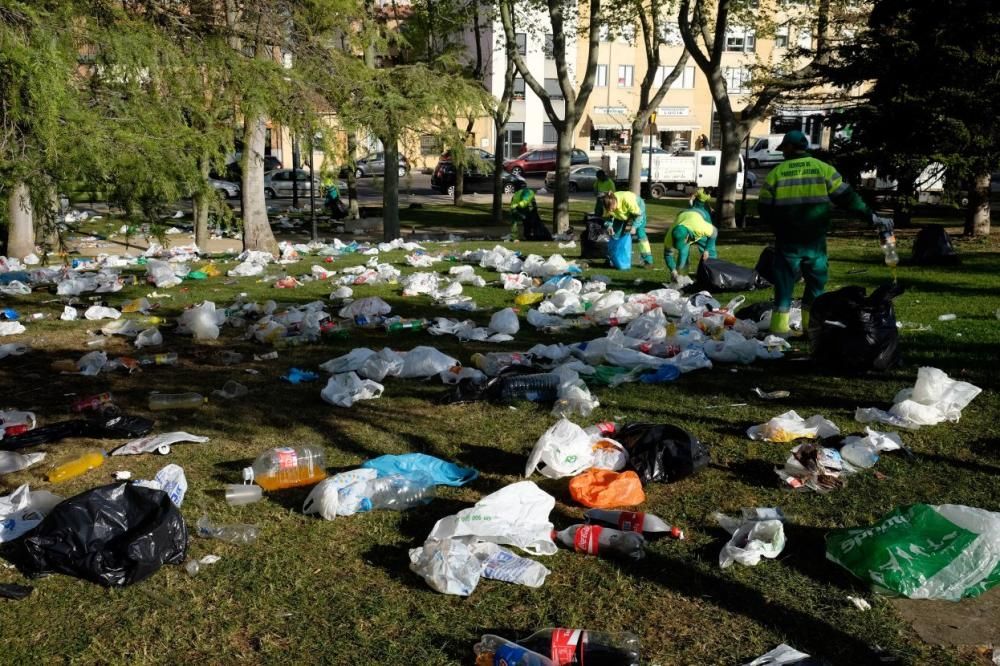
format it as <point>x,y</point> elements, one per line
<point>764,150</point>
<point>679,171</point>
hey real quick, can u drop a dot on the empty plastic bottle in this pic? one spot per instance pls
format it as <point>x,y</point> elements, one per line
<point>602,541</point>
<point>646,524</point>
<point>495,651</point>
<point>238,494</point>
<point>159,402</point>
<point>15,462</point>
<point>77,466</point>
<point>93,402</point>
<point>585,648</point>
<point>889,250</point>
<point>241,534</point>
<point>286,467</point>
<point>494,362</point>
<point>170,358</point>
<point>397,492</point>
<point>405,325</point>
<point>542,387</point>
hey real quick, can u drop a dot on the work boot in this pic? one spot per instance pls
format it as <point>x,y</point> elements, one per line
<point>779,324</point>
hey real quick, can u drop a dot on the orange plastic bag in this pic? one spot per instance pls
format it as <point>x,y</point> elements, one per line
<point>604,489</point>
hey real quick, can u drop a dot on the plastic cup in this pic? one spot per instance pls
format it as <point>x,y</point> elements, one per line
<point>243,493</point>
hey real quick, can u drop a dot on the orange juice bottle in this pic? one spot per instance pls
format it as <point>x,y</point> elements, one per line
<point>77,466</point>
<point>286,467</point>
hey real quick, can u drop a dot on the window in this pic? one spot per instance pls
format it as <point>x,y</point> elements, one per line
<point>737,79</point>
<point>685,81</point>
<point>781,37</point>
<point>549,46</point>
<point>625,73</point>
<point>521,39</point>
<point>553,89</point>
<point>518,87</point>
<point>534,156</point>
<point>602,76</point>
<point>708,160</point>
<point>805,38</point>
<point>549,133</point>
<point>741,41</point>
<point>428,144</point>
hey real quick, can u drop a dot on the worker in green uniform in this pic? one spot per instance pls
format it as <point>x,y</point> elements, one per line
<point>693,226</point>
<point>602,186</point>
<point>630,211</point>
<point>521,204</point>
<point>795,199</point>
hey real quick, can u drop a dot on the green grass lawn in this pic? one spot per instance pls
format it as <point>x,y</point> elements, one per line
<point>340,592</point>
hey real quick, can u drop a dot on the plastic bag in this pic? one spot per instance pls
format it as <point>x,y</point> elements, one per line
<point>933,247</point>
<point>505,321</point>
<point>455,566</point>
<point>562,450</point>
<point>201,321</point>
<point>162,275</point>
<point>790,426</point>
<point>96,312</point>
<point>852,333</point>
<point>151,337</point>
<point>924,552</point>
<point>23,510</point>
<point>161,443</point>
<point>751,540</point>
<point>716,275</point>
<point>114,535</point>
<point>604,489</point>
<point>517,514</point>
<point>440,471</point>
<point>422,362</point>
<point>662,452</point>
<point>352,361</point>
<point>366,307</point>
<point>385,363</point>
<point>339,495</point>
<point>620,252</point>
<point>784,655</point>
<point>345,389</point>
<point>935,398</point>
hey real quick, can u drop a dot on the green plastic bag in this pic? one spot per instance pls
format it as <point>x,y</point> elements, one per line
<point>924,552</point>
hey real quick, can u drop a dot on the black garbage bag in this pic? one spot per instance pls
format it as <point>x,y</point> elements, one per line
<point>933,247</point>
<point>114,535</point>
<point>717,275</point>
<point>534,228</point>
<point>662,452</point>
<point>755,311</point>
<point>765,265</point>
<point>113,427</point>
<point>593,239</point>
<point>854,333</point>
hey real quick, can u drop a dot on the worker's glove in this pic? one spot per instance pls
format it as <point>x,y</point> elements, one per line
<point>882,224</point>
<point>674,276</point>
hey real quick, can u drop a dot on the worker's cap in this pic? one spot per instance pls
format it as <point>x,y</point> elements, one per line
<point>794,139</point>
<point>702,196</point>
<point>601,175</point>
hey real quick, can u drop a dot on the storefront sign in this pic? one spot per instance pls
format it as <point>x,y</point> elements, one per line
<point>673,111</point>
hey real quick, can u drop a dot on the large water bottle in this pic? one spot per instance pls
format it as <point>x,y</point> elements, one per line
<point>397,492</point>
<point>534,388</point>
<point>239,534</point>
<point>286,467</point>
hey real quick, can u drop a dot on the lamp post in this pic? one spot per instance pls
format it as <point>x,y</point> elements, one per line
<point>649,172</point>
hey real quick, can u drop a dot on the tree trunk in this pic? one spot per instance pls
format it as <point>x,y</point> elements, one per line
<point>201,204</point>
<point>390,191</point>
<point>496,214</point>
<point>458,197</point>
<point>635,159</point>
<point>977,219</point>
<point>560,198</point>
<point>257,234</point>
<point>732,142</point>
<point>20,217</point>
<point>352,181</point>
<point>47,226</point>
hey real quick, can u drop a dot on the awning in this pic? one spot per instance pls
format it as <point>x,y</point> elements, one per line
<point>602,121</point>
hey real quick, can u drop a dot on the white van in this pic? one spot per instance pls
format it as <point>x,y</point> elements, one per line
<point>680,172</point>
<point>764,150</point>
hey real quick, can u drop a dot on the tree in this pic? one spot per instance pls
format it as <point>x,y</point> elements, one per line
<point>931,96</point>
<point>560,13</point>
<point>704,27</point>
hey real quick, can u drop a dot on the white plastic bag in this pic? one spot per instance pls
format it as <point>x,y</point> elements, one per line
<point>339,495</point>
<point>562,450</point>
<point>162,275</point>
<point>345,389</point>
<point>160,443</point>
<point>151,337</point>
<point>69,313</point>
<point>505,321</point>
<point>783,655</point>
<point>751,539</point>
<point>201,321</point>
<point>385,363</point>
<point>790,426</point>
<point>352,361</point>
<point>367,307</point>
<point>935,398</point>
<point>422,362</point>
<point>96,312</point>
<point>448,565</point>
<point>23,510</point>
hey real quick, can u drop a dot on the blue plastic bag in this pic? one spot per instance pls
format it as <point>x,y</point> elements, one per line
<point>620,252</point>
<point>665,373</point>
<point>441,471</point>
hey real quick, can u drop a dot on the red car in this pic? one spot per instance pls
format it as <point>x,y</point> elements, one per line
<point>540,161</point>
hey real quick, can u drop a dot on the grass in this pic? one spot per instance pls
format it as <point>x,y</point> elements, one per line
<point>341,592</point>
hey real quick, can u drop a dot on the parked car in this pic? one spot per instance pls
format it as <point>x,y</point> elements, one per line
<point>540,161</point>
<point>476,180</point>
<point>234,170</point>
<point>374,165</point>
<point>280,183</point>
<point>477,153</point>
<point>227,189</point>
<point>581,178</point>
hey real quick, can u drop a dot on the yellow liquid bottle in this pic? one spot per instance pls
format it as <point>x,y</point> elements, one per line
<point>77,466</point>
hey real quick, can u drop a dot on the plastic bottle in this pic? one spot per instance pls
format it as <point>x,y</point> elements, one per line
<point>77,466</point>
<point>603,541</point>
<point>238,494</point>
<point>585,648</point>
<point>398,493</point>
<point>92,402</point>
<point>241,534</point>
<point>170,358</point>
<point>405,325</point>
<point>494,362</point>
<point>159,402</point>
<point>889,250</point>
<point>542,387</point>
<point>11,461</point>
<point>495,651</point>
<point>859,455</point>
<point>286,467</point>
<point>646,524</point>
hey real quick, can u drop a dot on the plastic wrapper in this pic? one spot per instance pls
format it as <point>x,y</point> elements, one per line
<point>562,450</point>
<point>345,389</point>
<point>505,321</point>
<point>114,535</point>
<point>752,538</point>
<point>23,510</point>
<point>790,426</point>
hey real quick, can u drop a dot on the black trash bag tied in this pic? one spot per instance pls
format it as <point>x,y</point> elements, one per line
<point>854,333</point>
<point>661,452</point>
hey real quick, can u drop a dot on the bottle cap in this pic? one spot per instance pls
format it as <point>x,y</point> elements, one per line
<point>248,474</point>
